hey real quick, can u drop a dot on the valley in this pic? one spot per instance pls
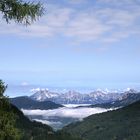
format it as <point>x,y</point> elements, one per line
<point>58,116</point>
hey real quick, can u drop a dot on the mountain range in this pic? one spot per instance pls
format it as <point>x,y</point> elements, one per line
<point>44,99</point>
<point>74,97</point>
<point>125,100</point>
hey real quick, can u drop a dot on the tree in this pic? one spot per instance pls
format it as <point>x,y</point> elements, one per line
<point>2,88</point>
<point>21,12</point>
<point>7,118</point>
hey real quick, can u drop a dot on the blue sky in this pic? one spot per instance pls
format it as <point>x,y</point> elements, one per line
<point>76,43</point>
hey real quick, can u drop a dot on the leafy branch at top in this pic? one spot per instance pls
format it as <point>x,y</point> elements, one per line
<point>21,12</point>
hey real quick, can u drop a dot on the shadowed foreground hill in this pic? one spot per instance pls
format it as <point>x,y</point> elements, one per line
<point>121,124</point>
<point>30,129</point>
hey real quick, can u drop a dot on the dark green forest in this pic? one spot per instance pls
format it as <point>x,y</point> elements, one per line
<point>121,124</point>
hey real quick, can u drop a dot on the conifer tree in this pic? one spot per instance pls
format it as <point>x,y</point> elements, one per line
<point>20,12</point>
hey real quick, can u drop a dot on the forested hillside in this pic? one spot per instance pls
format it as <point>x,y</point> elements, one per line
<point>121,124</point>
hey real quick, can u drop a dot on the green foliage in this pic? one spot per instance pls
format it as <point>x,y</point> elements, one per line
<point>121,124</point>
<point>7,118</point>
<point>7,128</point>
<point>2,88</point>
<point>20,12</point>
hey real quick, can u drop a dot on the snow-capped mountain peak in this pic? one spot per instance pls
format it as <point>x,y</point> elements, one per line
<point>130,90</point>
<point>74,97</point>
<point>43,94</point>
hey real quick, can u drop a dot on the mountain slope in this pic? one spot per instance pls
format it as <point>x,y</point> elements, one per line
<point>121,124</point>
<point>29,129</point>
<point>25,102</point>
<point>125,100</point>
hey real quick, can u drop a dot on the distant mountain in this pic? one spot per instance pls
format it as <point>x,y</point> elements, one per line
<point>43,94</point>
<point>126,99</point>
<point>25,102</point>
<point>130,90</point>
<point>73,97</point>
<point>121,124</point>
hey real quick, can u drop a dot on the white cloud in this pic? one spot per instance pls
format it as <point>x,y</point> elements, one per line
<point>57,118</point>
<point>24,84</point>
<point>79,113</point>
<point>109,23</point>
<point>49,25</point>
<point>75,105</point>
<point>86,27</point>
<point>48,122</point>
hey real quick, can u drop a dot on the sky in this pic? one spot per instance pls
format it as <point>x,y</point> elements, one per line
<point>76,43</point>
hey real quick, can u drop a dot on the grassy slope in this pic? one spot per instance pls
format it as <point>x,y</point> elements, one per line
<point>121,124</point>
